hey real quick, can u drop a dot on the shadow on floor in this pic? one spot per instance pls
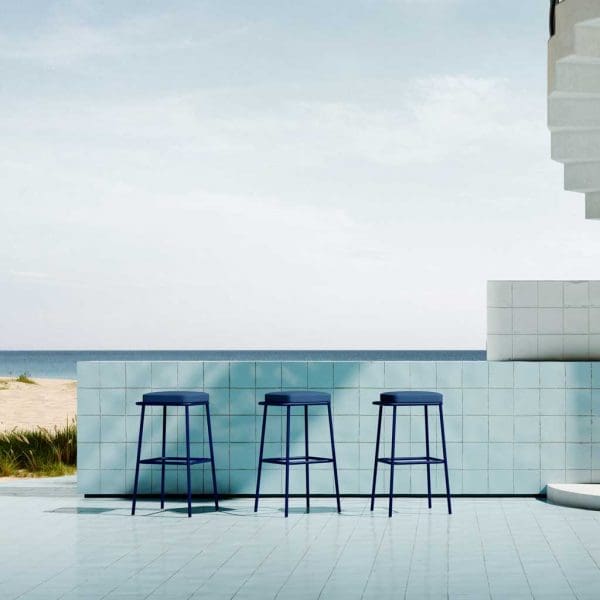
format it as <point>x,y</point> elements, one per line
<point>80,510</point>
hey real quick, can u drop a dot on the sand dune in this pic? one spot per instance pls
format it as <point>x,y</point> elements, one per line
<point>47,403</point>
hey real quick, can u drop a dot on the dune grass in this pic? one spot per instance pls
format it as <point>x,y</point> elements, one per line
<point>39,453</point>
<point>24,378</point>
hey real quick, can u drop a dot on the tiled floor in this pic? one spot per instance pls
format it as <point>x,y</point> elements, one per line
<point>54,544</point>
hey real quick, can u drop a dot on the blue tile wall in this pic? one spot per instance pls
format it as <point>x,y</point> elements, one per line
<point>475,375</point>
<point>163,375</point>
<point>422,375</point>
<point>346,374</point>
<point>511,427</point>
<point>112,401</point>
<point>294,375</point>
<point>449,374</point>
<point>501,375</point>
<point>88,401</point>
<point>372,375</point>
<point>216,374</point>
<point>268,374</point>
<point>527,374</point>
<point>397,375</point>
<point>138,374</point>
<point>501,401</point>
<point>320,375</point>
<point>112,374</point>
<point>552,375</point>
<point>190,375</point>
<point>242,374</point>
<point>578,375</point>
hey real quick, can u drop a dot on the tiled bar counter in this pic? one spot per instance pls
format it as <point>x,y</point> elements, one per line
<point>511,427</point>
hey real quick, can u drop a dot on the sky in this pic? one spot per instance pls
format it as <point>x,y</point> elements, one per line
<point>275,174</point>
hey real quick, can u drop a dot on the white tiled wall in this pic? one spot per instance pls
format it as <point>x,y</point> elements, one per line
<point>543,320</point>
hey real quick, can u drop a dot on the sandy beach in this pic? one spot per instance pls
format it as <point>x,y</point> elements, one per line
<point>47,403</point>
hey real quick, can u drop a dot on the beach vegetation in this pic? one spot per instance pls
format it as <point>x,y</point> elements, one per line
<point>24,378</point>
<point>39,453</point>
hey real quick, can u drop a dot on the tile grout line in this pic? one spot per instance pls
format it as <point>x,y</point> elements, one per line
<point>515,546</point>
<point>264,560</point>
<point>321,532</point>
<point>339,556</point>
<point>519,552</point>
<point>374,561</point>
<point>581,542</point>
<point>162,554</point>
<point>483,558</point>
<point>412,554</point>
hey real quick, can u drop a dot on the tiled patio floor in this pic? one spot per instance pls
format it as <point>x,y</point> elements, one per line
<point>54,544</point>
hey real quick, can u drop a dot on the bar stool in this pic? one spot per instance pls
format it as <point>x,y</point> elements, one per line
<point>165,399</point>
<point>402,399</point>
<point>289,400</point>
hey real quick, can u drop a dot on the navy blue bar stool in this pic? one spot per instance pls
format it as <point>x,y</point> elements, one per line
<point>288,400</point>
<point>165,399</point>
<point>402,399</point>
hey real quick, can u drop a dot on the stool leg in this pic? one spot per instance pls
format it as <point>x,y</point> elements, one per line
<point>335,473</point>
<point>306,454</point>
<point>392,462</point>
<point>427,456</point>
<point>137,462</point>
<point>212,458</point>
<point>376,458</point>
<point>287,460</point>
<point>260,457</point>
<point>164,448</point>
<point>188,466</point>
<point>445,461</point>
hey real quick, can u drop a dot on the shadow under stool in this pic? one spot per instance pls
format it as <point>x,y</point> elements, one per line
<point>288,400</point>
<point>175,399</point>
<point>397,400</point>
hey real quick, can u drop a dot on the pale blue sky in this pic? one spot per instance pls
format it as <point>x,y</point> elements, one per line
<point>275,174</point>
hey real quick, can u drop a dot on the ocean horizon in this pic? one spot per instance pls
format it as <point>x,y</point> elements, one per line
<point>62,364</point>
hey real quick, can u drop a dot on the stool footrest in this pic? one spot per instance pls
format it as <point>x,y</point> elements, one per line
<point>412,460</point>
<point>298,460</point>
<point>174,460</point>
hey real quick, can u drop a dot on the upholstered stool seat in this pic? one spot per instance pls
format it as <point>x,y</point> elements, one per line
<point>179,398</point>
<point>411,398</point>
<point>297,398</point>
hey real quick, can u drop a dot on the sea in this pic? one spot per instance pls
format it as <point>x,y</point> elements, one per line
<point>62,364</point>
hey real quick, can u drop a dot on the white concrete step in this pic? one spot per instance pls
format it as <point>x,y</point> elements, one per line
<point>568,109</point>
<point>574,98</point>
<point>568,15</point>
<point>578,74</point>
<point>592,205</point>
<point>582,176</point>
<point>587,38</point>
<point>575,145</point>
<point>575,495</point>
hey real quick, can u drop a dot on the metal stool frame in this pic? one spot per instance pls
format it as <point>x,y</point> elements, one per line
<point>186,460</point>
<point>288,460</point>
<point>394,460</point>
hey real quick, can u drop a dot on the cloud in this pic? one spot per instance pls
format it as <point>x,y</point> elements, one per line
<point>67,42</point>
<point>451,124</point>
<point>255,214</point>
<point>29,275</point>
